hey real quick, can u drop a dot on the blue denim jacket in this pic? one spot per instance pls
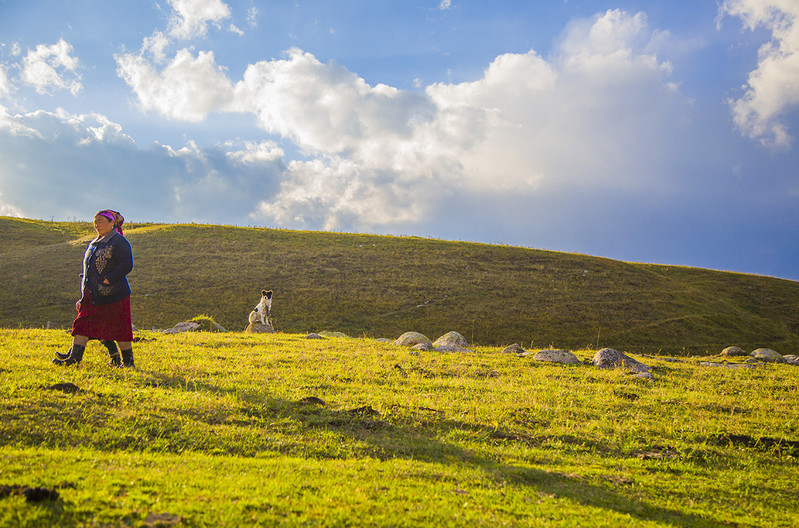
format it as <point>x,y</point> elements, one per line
<point>110,257</point>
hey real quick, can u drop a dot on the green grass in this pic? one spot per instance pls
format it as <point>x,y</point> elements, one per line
<point>212,430</point>
<point>378,286</point>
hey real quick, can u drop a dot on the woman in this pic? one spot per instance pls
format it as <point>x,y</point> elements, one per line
<point>104,305</point>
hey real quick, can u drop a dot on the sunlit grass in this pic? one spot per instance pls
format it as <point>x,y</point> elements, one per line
<point>216,429</point>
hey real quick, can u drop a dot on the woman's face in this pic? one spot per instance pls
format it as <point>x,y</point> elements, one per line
<point>102,225</point>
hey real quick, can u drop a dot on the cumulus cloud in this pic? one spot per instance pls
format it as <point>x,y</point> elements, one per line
<point>82,172</point>
<point>188,88</point>
<point>595,116</point>
<point>772,89</point>
<point>51,67</point>
<point>191,17</point>
<point>5,83</point>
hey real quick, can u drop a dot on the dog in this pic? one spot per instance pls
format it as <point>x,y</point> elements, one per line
<point>263,310</point>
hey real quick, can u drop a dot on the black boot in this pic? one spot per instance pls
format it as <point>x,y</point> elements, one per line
<point>61,355</point>
<point>113,352</point>
<point>127,358</point>
<point>75,357</point>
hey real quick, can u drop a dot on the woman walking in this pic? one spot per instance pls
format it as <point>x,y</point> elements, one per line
<point>104,305</point>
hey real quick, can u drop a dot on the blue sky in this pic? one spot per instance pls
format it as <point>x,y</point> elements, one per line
<point>647,131</point>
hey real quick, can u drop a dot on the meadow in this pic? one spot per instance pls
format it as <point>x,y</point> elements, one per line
<point>381,286</point>
<point>234,429</point>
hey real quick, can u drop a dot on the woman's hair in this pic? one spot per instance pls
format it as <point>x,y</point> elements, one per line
<point>115,217</point>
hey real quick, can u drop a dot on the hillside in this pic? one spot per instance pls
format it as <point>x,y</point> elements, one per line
<point>382,286</point>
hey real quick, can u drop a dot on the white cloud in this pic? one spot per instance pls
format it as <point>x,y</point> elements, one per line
<point>191,17</point>
<point>596,116</point>
<point>773,88</point>
<point>5,83</point>
<point>188,88</point>
<point>62,165</point>
<point>445,4</point>
<point>49,67</point>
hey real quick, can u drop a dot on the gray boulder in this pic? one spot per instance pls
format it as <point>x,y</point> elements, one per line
<point>187,326</point>
<point>734,351</point>
<point>451,338</point>
<point>330,333</point>
<point>556,356</point>
<point>791,359</point>
<point>607,358</point>
<point>767,355</point>
<point>412,338</point>
<point>451,348</point>
<point>424,347</point>
<point>515,348</point>
<point>729,365</point>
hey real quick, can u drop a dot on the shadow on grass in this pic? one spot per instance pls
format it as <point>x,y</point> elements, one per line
<point>422,443</point>
<point>403,438</point>
<point>396,441</point>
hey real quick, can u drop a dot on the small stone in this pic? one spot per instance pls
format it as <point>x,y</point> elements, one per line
<point>608,358</point>
<point>412,338</point>
<point>187,326</point>
<point>422,346</point>
<point>452,348</point>
<point>557,356</point>
<point>767,355</point>
<point>734,351</point>
<point>313,336</point>
<point>791,359</point>
<point>644,375</point>
<point>515,348</point>
<point>329,333</point>
<point>451,338</point>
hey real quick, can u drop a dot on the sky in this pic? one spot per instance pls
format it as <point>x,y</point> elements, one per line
<point>646,131</point>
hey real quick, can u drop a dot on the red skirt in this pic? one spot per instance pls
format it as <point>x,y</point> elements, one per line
<point>104,321</point>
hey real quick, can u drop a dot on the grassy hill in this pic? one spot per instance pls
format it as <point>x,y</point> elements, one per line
<point>382,286</point>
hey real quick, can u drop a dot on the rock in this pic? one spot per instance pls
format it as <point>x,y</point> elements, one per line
<point>219,327</point>
<point>422,346</point>
<point>644,375</point>
<point>452,348</point>
<point>383,340</point>
<point>607,358</point>
<point>791,359</point>
<point>767,355</point>
<point>451,338</point>
<point>328,333</point>
<point>412,338</point>
<point>728,365</point>
<point>187,326</point>
<point>515,348</point>
<point>313,336</point>
<point>734,351</point>
<point>556,356</point>
<point>258,328</point>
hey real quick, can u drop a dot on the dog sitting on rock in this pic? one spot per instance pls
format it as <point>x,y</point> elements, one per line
<point>263,310</point>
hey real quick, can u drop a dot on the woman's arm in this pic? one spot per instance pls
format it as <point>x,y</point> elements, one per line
<point>123,254</point>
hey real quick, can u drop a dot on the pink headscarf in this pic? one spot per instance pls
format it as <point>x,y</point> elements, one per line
<point>114,217</point>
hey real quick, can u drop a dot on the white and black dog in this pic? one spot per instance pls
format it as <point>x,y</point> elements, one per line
<point>263,310</point>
